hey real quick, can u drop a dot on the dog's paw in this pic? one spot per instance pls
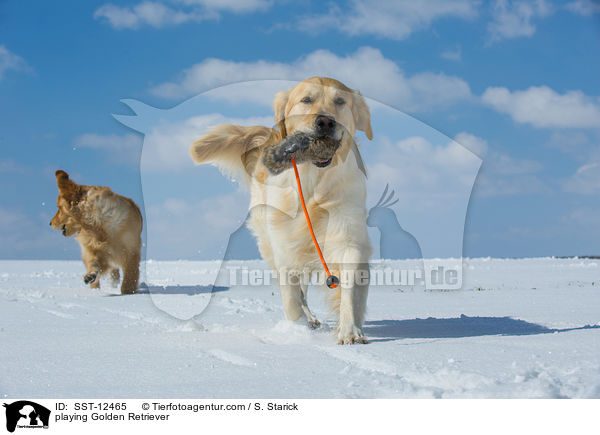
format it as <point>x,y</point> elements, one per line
<point>351,335</point>
<point>314,324</point>
<point>90,278</point>
<point>353,340</point>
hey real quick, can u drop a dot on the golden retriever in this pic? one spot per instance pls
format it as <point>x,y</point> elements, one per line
<point>108,228</point>
<point>322,115</point>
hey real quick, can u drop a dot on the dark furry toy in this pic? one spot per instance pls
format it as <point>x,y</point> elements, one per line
<point>303,148</point>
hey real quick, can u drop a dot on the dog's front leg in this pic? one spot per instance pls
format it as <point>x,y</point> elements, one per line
<point>293,297</point>
<point>292,301</point>
<point>94,265</point>
<point>313,322</point>
<point>92,276</point>
<point>353,304</point>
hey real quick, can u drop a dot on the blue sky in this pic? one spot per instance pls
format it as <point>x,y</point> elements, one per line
<point>515,81</point>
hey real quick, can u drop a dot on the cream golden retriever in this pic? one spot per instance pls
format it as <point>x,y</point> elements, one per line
<point>316,122</point>
<point>107,226</point>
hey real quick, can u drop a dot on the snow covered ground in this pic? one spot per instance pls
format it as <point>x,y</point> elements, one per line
<point>519,328</point>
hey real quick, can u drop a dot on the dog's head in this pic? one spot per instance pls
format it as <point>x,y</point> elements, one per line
<point>325,109</point>
<point>69,196</point>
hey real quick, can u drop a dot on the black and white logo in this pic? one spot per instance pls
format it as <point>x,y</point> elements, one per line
<point>26,415</point>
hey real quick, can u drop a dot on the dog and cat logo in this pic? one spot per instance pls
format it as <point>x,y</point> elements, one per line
<point>26,415</point>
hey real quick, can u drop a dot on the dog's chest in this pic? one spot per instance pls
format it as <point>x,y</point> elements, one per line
<point>335,204</point>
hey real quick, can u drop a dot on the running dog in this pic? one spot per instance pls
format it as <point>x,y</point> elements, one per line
<point>316,122</point>
<point>108,228</point>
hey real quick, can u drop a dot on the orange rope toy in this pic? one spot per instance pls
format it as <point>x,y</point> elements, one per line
<point>332,280</point>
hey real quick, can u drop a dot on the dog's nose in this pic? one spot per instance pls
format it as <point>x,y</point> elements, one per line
<point>324,125</point>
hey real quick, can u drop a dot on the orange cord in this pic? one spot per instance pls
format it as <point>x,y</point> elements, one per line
<point>331,282</point>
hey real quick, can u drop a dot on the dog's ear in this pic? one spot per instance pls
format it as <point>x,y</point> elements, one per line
<point>362,115</point>
<point>61,175</point>
<point>281,99</point>
<point>62,180</point>
<point>67,188</point>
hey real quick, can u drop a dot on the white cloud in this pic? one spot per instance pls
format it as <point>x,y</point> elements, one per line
<point>423,172</point>
<point>432,177</point>
<point>584,7</point>
<point>256,92</point>
<point>582,148</point>
<point>211,73</point>
<point>494,161</point>
<point>585,181</point>
<point>120,149</point>
<point>366,70</point>
<point>148,13</point>
<point>158,15</point>
<point>455,54</point>
<point>388,19</point>
<point>476,144</point>
<point>543,107</point>
<point>513,19</point>
<point>236,6</point>
<point>500,173</point>
<point>10,61</point>
<point>167,144</point>
<point>184,228</point>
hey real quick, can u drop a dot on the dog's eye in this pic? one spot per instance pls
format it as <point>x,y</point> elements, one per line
<point>306,100</point>
<point>339,101</point>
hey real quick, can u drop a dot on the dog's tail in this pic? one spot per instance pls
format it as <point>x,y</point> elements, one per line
<point>233,148</point>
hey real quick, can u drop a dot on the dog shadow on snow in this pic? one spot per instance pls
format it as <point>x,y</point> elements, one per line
<point>190,290</point>
<point>458,327</point>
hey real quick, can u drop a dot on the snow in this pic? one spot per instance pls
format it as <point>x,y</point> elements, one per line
<point>524,328</point>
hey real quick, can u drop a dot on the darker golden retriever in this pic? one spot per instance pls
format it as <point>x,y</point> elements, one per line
<point>107,226</point>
